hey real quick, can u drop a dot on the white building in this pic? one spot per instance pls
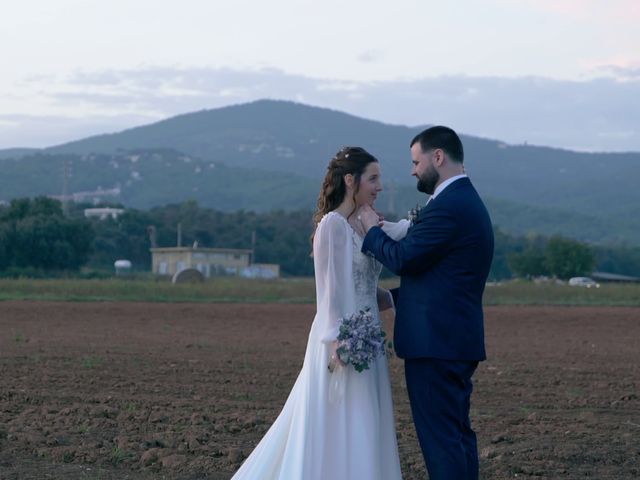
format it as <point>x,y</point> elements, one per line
<point>210,262</point>
<point>103,213</point>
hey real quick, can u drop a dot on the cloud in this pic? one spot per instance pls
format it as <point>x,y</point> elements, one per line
<point>622,71</point>
<point>565,7</point>
<point>338,87</point>
<point>612,11</point>
<point>370,56</point>
<point>599,114</point>
<point>8,122</point>
<point>44,131</point>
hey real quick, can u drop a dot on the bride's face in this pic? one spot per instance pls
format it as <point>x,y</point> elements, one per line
<point>370,185</point>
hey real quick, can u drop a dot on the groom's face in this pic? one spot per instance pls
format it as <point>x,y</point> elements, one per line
<point>424,169</point>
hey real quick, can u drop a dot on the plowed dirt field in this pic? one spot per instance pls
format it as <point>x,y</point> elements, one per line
<point>146,391</point>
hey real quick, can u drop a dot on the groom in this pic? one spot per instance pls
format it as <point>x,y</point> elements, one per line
<point>443,263</point>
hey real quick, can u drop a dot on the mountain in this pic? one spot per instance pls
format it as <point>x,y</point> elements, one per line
<point>148,178</point>
<point>17,152</point>
<point>273,154</point>
<point>269,135</point>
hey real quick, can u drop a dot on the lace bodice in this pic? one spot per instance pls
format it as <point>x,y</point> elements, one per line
<point>366,271</point>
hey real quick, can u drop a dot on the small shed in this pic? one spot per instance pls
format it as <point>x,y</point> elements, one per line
<point>209,261</point>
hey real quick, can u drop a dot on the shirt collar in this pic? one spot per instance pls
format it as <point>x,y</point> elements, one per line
<point>445,184</point>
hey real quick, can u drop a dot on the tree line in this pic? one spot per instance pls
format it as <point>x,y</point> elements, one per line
<point>37,236</point>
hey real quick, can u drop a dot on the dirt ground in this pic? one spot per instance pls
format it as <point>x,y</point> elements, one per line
<point>184,391</point>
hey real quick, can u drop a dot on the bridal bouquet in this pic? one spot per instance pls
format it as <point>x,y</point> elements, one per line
<point>360,340</point>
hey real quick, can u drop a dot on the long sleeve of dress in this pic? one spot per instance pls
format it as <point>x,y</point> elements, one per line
<point>333,257</point>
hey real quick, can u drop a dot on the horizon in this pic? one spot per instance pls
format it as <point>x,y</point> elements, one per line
<point>274,100</point>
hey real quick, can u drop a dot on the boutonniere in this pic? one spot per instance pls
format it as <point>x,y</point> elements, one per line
<point>412,216</point>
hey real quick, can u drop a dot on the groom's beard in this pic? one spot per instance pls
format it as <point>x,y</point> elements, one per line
<point>428,181</point>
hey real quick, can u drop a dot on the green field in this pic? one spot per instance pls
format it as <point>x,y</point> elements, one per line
<point>529,293</point>
<point>290,290</point>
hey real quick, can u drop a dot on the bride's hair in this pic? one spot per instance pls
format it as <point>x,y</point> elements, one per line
<point>348,160</point>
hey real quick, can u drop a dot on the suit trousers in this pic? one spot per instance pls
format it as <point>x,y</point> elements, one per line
<point>440,395</point>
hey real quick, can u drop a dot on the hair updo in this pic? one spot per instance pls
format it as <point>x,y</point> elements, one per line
<point>348,160</point>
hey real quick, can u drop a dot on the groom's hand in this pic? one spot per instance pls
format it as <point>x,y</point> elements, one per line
<point>368,217</point>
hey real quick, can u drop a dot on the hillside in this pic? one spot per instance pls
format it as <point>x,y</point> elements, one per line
<point>273,154</point>
<point>17,152</point>
<point>289,137</point>
<point>148,178</point>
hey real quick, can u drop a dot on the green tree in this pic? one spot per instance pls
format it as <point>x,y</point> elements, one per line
<point>529,263</point>
<point>504,245</point>
<point>5,241</point>
<point>621,259</point>
<point>566,258</point>
<point>35,233</point>
<point>126,237</point>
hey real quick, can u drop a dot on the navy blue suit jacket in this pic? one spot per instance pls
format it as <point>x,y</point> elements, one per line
<point>443,263</point>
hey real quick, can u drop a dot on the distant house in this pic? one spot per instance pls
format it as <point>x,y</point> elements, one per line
<point>210,262</point>
<point>103,213</point>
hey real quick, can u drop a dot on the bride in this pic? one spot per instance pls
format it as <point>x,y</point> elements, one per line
<point>326,432</point>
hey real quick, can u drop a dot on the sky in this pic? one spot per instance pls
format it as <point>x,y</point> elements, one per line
<point>563,73</point>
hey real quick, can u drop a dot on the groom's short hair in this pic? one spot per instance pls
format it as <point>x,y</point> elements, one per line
<point>441,137</point>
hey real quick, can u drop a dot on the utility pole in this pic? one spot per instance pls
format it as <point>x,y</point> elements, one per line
<point>151,230</point>
<point>66,173</point>
<point>253,247</point>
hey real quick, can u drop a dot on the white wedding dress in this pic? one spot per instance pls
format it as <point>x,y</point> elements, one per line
<point>318,435</point>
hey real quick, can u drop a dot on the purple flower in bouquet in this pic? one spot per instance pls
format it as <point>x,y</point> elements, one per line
<point>360,340</point>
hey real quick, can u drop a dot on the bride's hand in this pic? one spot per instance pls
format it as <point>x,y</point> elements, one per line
<point>334,359</point>
<point>385,300</point>
<point>368,217</point>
